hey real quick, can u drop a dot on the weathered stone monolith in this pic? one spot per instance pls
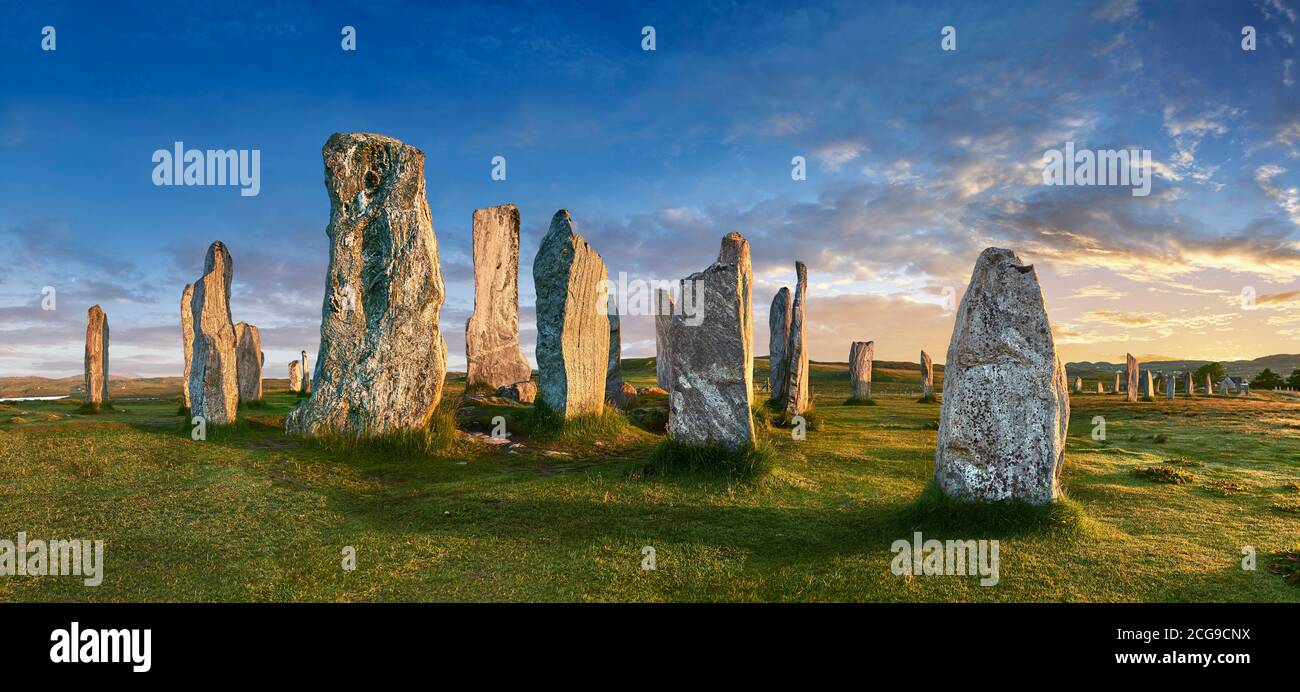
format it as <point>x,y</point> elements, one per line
<point>927,375</point>
<point>1132,384</point>
<point>1191,386</point>
<point>572,323</point>
<point>295,376</point>
<point>187,339</point>
<point>382,360</point>
<point>796,398</point>
<point>614,365</point>
<point>663,322</point>
<point>1078,385</point>
<point>214,375</point>
<point>96,356</point>
<point>1005,408</point>
<point>778,324</point>
<point>492,351</point>
<point>248,361</point>
<point>1101,389</point>
<point>1148,384</point>
<point>713,356</point>
<point>523,392</point>
<point>1226,386</point>
<point>1209,385</point>
<point>861,355</point>
<point>1170,385</point>
<point>1117,385</point>
<point>306,374</point>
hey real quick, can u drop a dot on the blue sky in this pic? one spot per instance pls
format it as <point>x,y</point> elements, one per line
<point>917,159</point>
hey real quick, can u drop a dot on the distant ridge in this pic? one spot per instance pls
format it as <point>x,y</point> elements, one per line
<point>1281,364</point>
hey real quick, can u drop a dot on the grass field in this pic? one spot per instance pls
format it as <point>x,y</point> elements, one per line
<point>251,515</point>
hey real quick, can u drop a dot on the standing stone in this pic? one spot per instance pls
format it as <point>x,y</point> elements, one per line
<point>1191,386</point>
<point>523,392</point>
<point>1078,385</point>
<point>1100,388</point>
<point>306,374</point>
<point>248,361</point>
<point>1132,384</point>
<point>214,375</point>
<point>295,376</point>
<point>796,397</point>
<point>96,356</point>
<point>663,322</point>
<point>713,364</point>
<point>492,332</point>
<point>1227,386</point>
<point>1148,384</point>
<point>927,375</point>
<point>1005,408</point>
<point>861,355</point>
<point>614,366</point>
<point>572,324</point>
<point>382,360</point>
<point>187,339</point>
<point>778,324</point>
<point>1117,388</point>
<point>1170,385</point>
<point>1209,385</point>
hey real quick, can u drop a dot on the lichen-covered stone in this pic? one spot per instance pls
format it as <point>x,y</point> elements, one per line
<point>778,340</point>
<point>523,392</point>
<point>713,366</point>
<point>1005,412</point>
<point>295,376</point>
<point>492,351</point>
<point>187,338</point>
<point>614,365</point>
<point>382,360</point>
<point>96,356</point>
<point>572,323</point>
<point>796,390</point>
<point>927,375</point>
<point>248,361</point>
<point>664,309</point>
<point>214,375</point>
<point>1132,390</point>
<point>306,373</point>
<point>861,355</point>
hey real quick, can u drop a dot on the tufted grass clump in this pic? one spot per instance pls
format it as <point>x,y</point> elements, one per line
<point>89,409</point>
<point>750,463</point>
<point>541,422</point>
<point>438,438</point>
<point>1164,474</point>
<point>859,402</point>
<point>934,511</point>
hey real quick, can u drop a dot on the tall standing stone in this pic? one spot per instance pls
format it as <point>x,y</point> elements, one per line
<point>1148,384</point>
<point>1117,386</point>
<point>1005,408</point>
<point>214,375</point>
<point>492,351</point>
<point>96,356</point>
<point>1101,389</point>
<point>861,355</point>
<point>1132,384</point>
<point>572,323</point>
<point>614,365</point>
<point>927,375</point>
<point>295,376</point>
<point>778,340</point>
<point>713,364</point>
<point>1209,385</point>
<point>1191,386</point>
<point>248,361</point>
<point>382,360</point>
<point>306,374</point>
<point>663,347</point>
<point>796,351</point>
<point>1171,382</point>
<point>187,338</point>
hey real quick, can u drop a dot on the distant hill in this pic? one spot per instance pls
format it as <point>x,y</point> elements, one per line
<point>1282,364</point>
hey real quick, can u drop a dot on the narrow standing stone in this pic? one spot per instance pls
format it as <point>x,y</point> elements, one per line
<point>214,375</point>
<point>1209,385</point>
<point>1132,392</point>
<point>1191,386</point>
<point>306,374</point>
<point>572,323</point>
<point>295,376</point>
<point>778,324</point>
<point>187,338</point>
<point>96,356</point>
<point>663,347</point>
<point>382,361</point>
<point>248,361</point>
<point>1078,385</point>
<point>796,352</point>
<point>861,355</point>
<point>614,366</point>
<point>492,351</point>
<point>1170,384</point>
<point>713,364</point>
<point>927,375</point>
<point>1006,409</point>
<point>1100,388</point>
<point>1117,387</point>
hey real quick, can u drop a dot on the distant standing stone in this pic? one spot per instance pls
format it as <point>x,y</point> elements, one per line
<point>1006,409</point>
<point>1170,385</point>
<point>614,365</point>
<point>1191,386</point>
<point>572,323</point>
<point>523,392</point>
<point>214,375</point>
<point>382,361</point>
<point>1101,389</point>
<point>927,375</point>
<point>778,340</point>
<point>248,361</point>
<point>1209,385</point>
<point>663,322</point>
<point>1117,387</point>
<point>306,374</point>
<point>861,355</point>
<point>1078,385</point>
<point>295,376</point>
<point>713,357</point>
<point>492,351</point>
<point>796,352</point>
<point>96,356</point>
<point>1132,391</point>
<point>187,338</point>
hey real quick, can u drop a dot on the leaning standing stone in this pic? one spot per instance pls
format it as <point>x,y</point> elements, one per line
<point>1005,408</point>
<point>187,338</point>
<point>927,375</point>
<point>248,361</point>
<point>663,322</point>
<point>713,366</point>
<point>572,323</point>
<point>1132,392</point>
<point>295,376</point>
<point>492,332</point>
<point>778,324</point>
<point>861,354</point>
<point>796,353</point>
<point>214,376</point>
<point>96,357</point>
<point>382,360</point>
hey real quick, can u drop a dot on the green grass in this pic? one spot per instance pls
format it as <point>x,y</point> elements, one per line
<point>251,514</point>
<point>750,463</point>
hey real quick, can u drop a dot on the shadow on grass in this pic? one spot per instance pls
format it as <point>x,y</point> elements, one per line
<point>933,511</point>
<point>752,463</point>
